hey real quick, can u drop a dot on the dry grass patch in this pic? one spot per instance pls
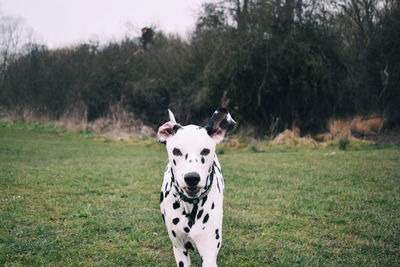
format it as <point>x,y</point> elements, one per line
<point>287,135</point>
<point>292,138</point>
<point>118,124</point>
<point>348,128</point>
<point>74,118</point>
<point>364,126</point>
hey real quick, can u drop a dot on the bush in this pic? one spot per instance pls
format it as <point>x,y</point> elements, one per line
<point>343,143</point>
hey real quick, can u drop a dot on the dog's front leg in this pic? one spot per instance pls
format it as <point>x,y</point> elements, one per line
<point>182,257</point>
<point>208,252</point>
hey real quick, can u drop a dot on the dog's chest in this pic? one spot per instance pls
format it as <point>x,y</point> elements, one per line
<point>184,219</point>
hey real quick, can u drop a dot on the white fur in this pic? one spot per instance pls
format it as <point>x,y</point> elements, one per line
<point>178,207</point>
<point>191,140</point>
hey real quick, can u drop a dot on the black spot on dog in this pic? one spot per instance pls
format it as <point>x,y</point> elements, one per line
<point>216,234</point>
<point>192,215</point>
<point>176,205</point>
<point>174,162</point>
<point>204,201</point>
<point>175,221</point>
<point>186,229</point>
<point>186,156</point>
<point>166,193</point>
<point>173,233</point>
<point>212,206</point>
<point>199,214</point>
<point>161,197</point>
<point>219,170</point>
<point>181,264</point>
<point>188,246</point>
<point>205,219</point>
<point>176,127</point>
<point>185,253</point>
<point>219,243</point>
<point>203,160</point>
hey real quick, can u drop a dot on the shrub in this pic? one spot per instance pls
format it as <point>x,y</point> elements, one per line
<point>343,143</point>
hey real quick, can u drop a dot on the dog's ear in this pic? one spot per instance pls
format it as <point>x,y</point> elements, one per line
<point>220,123</point>
<point>171,116</point>
<point>168,129</point>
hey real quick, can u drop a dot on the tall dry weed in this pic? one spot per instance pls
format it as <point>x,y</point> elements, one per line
<point>292,138</point>
<point>364,126</point>
<point>348,128</point>
<point>25,114</point>
<point>120,124</point>
<point>287,135</point>
<point>338,129</point>
<point>74,117</point>
<point>273,128</point>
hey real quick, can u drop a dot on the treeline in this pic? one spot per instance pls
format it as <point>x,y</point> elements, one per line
<point>274,63</point>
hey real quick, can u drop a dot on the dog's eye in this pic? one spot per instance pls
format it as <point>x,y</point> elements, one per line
<point>205,152</point>
<point>176,152</point>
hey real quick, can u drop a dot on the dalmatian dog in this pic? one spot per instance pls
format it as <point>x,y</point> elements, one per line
<point>191,198</point>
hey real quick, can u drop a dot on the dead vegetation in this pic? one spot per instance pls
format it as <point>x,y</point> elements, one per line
<point>292,137</point>
<point>351,128</point>
<point>118,124</point>
<point>364,126</point>
<point>340,130</point>
<point>74,118</point>
<point>337,129</point>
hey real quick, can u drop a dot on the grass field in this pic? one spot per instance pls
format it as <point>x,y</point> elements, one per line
<point>71,199</point>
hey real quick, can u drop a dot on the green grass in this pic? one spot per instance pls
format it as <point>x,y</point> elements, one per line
<point>71,199</point>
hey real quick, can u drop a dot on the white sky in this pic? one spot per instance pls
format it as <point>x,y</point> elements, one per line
<point>59,23</point>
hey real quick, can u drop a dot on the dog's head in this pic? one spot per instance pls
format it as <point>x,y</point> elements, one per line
<point>191,149</point>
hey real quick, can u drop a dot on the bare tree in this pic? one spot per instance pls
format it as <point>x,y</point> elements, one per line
<point>13,35</point>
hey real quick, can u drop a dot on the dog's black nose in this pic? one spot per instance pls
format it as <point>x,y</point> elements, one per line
<point>192,178</point>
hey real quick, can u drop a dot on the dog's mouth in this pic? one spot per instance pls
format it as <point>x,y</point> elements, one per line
<point>192,191</point>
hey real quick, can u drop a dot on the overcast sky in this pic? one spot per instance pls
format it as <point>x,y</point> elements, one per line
<point>66,22</point>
